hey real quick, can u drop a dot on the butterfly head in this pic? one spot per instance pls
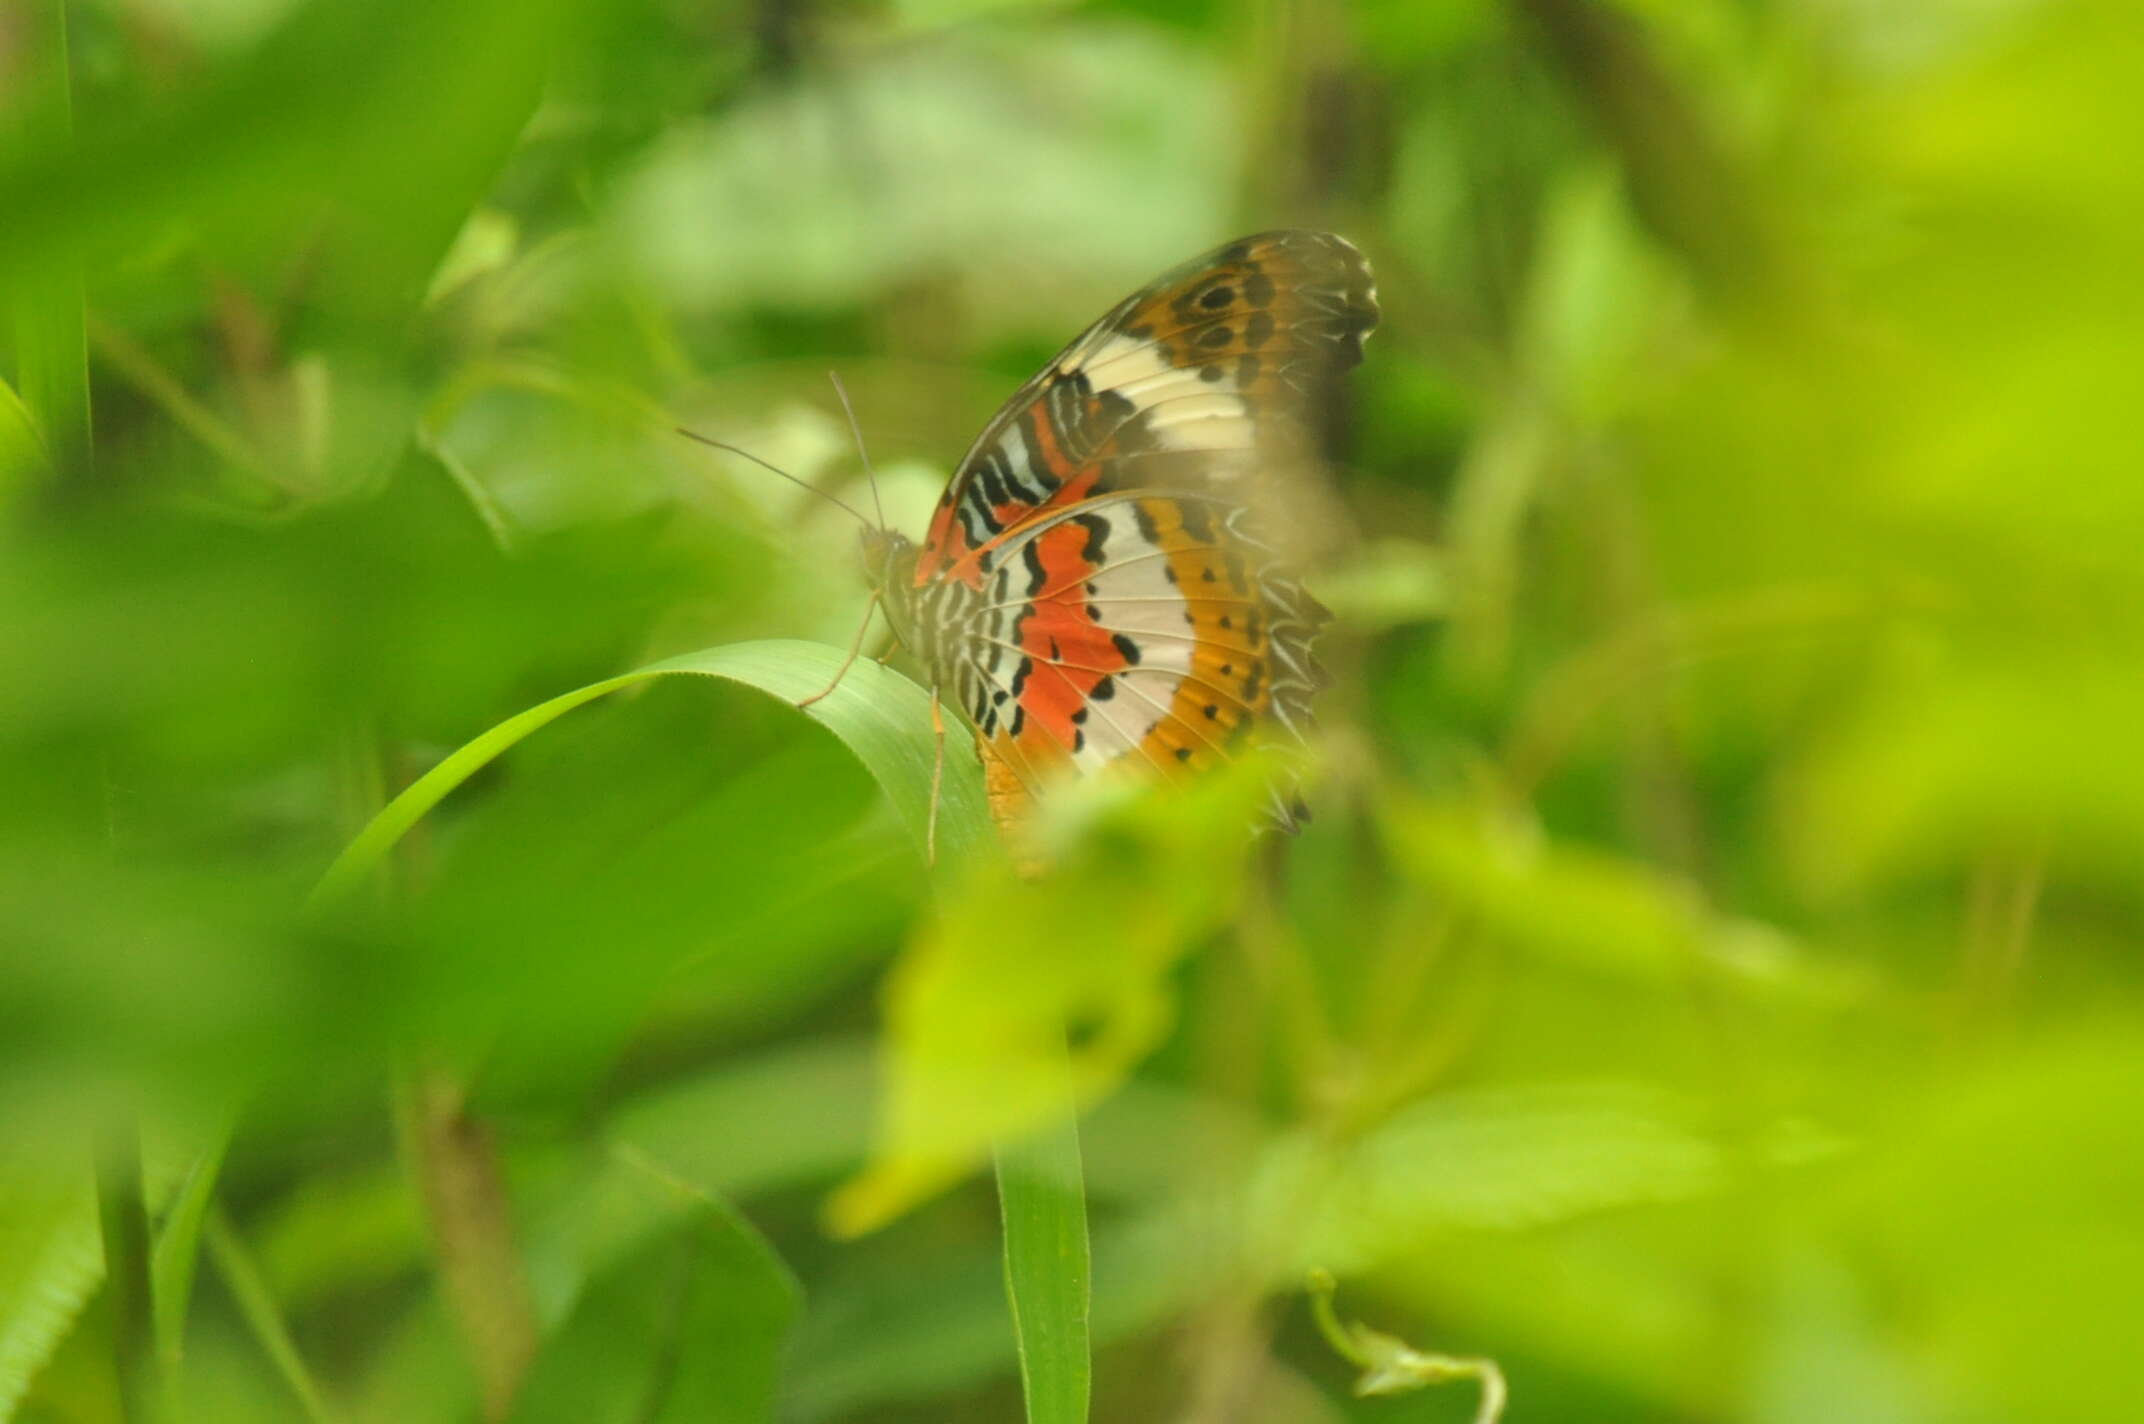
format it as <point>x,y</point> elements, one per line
<point>890,569</point>
<point>889,557</point>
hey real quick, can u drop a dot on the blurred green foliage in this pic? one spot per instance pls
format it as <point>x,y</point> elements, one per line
<point>1709,986</point>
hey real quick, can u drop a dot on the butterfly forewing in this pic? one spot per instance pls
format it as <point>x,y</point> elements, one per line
<point>1214,377</point>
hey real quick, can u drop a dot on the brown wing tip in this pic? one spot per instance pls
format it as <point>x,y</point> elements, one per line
<point>1333,272</point>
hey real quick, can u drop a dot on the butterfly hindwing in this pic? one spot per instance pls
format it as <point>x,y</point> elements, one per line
<point>1148,629</point>
<point>1214,373</point>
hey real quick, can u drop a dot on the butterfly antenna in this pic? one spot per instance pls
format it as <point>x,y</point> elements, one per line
<point>861,453</point>
<point>834,500</point>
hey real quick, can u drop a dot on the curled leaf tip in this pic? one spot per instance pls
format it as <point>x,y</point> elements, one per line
<point>1390,1365</point>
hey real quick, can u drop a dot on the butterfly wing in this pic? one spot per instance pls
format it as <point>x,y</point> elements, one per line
<point>1100,583</point>
<point>1210,379</point>
<point>1150,629</point>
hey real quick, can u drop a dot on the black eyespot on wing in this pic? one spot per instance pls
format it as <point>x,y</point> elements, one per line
<point>1126,648</point>
<point>1219,297</point>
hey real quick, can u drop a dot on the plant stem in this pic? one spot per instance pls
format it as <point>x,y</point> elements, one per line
<point>457,1168</point>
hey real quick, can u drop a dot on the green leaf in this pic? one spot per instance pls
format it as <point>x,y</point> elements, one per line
<point>881,716</point>
<point>50,1265</point>
<point>2003,1215</point>
<point>1047,1270</point>
<point>413,152</point>
<point>1483,1159</point>
<point>691,1325</point>
<point>783,1119</point>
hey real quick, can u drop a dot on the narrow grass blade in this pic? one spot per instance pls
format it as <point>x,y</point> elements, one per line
<point>881,716</point>
<point>173,1258</point>
<point>51,341</point>
<point>124,1217</point>
<point>257,1304</point>
<point>1043,1199</point>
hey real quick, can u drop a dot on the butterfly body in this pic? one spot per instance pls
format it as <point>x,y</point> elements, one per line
<point>1102,583</point>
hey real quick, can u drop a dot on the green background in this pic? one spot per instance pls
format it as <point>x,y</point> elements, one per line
<point>1709,986</point>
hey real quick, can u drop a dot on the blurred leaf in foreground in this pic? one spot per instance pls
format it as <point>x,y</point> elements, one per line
<point>2005,1216</point>
<point>50,1265</point>
<point>981,1005</point>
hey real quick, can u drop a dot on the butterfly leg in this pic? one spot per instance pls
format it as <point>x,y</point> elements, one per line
<point>855,646</point>
<point>930,824</point>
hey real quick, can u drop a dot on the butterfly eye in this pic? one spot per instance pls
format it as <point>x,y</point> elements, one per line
<point>883,550</point>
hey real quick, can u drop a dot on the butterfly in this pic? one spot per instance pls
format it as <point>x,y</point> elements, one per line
<point>1103,583</point>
